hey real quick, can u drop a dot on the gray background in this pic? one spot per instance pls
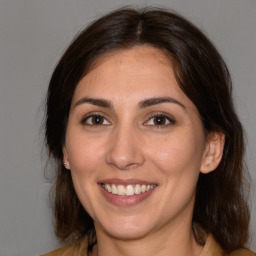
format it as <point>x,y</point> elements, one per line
<point>33,35</point>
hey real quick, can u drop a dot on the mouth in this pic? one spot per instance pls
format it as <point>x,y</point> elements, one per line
<point>127,190</point>
<point>126,193</point>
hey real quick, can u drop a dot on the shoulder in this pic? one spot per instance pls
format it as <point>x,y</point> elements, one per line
<point>212,248</point>
<point>242,252</point>
<point>75,249</point>
<point>67,250</point>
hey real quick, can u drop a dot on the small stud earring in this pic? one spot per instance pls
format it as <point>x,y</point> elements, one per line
<point>67,165</point>
<point>208,165</point>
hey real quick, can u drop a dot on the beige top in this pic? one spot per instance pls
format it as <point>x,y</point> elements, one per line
<point>211,248</point>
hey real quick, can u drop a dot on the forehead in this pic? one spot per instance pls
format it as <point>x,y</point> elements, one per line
<point>141,71</point>
<point>134,54</point>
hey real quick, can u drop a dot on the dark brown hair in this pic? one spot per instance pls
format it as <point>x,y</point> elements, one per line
<point>220,206</point>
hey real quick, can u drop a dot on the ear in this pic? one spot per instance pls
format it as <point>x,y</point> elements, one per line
<point>213,152</point>
<point>65,158</point>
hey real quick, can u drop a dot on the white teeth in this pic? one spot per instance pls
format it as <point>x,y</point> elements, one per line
<point>128,190</point>
<point>148,188</point>
<point>113,189</point>
<point>137,189</point>
<point>108,187</point>
<point>120,190</point>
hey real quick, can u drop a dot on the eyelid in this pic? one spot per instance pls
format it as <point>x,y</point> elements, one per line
<point>169,117</point>
<point>93,114</point>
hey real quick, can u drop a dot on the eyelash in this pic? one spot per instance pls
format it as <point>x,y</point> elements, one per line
<point>167,118</point>
<point>92,115</point>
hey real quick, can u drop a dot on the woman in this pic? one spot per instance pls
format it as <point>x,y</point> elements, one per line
<point>149,149</point>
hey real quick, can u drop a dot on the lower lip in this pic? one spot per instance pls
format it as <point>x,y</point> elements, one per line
<point>126,200</point>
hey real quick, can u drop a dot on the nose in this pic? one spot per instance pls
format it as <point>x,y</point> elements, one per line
<point>125,151</point>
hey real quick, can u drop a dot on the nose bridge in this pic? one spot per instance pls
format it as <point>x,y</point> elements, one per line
<point>125,151</point>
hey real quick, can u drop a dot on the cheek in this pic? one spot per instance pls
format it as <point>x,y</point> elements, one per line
<point>84,154</point>
<point>178,152</point>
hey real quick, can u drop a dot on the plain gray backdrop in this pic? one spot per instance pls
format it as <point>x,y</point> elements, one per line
<point>33,35</point>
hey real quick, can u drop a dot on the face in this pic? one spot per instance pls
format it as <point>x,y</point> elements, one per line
<point>135,145</point>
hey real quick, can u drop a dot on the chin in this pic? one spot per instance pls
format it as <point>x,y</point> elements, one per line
<point>131,233</point>
<point>125,229</point>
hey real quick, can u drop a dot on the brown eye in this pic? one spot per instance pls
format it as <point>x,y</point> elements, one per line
<point>95,120</point>
<point>160,120</point>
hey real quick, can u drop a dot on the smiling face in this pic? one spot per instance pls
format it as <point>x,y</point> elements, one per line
<point>135,145</point>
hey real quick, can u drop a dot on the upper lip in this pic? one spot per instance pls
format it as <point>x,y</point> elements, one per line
<point>126,182</point>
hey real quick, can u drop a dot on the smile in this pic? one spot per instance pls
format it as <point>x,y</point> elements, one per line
<point>127,190</point>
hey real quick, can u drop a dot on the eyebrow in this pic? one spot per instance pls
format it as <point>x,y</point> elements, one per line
<point>97,102</point>
<point>142,104</point>
<point>155,101</point>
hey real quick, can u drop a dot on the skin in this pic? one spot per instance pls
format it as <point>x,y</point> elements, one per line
<point>128,143</point>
